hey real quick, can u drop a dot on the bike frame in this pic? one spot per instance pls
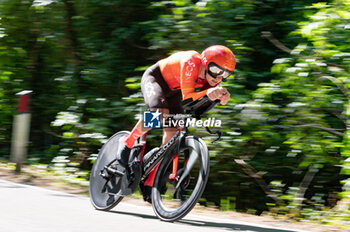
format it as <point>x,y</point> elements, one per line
<point>157,157</point>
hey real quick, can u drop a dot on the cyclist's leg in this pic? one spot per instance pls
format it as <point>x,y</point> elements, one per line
<point>174,101</point>
<point>168,133</point>
<point>127,142</point>
<point>153,87</point>
<point>158,95</point>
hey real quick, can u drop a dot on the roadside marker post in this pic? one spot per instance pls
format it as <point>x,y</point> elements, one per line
<point>20,130</point>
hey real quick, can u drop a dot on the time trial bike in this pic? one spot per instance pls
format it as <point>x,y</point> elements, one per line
<point>182,169</point>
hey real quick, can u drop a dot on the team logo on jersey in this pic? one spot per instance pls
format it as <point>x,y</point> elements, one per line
<point>151,119</point>
<point>189,68</point>
<point>149,89</point>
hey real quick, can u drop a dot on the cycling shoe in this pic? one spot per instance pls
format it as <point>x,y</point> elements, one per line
<point>123,153</point>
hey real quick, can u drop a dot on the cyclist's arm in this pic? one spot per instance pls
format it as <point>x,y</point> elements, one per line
<point>193,95</point>
<point>189,74</point>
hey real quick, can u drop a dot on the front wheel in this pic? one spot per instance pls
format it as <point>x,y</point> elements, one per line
<point>172,199</point>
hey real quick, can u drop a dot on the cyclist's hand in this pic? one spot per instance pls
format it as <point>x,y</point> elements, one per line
<point>225,98</point>
<point>216,93</point>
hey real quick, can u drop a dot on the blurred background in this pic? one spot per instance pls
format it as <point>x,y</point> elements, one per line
<point>285,149</point>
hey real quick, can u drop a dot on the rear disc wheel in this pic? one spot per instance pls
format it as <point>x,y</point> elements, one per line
<point>104,188</point>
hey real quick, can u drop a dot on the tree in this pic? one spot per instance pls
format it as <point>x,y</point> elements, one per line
<point>310,104</point>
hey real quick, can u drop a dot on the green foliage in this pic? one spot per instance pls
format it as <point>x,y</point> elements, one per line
<point>311,101</point>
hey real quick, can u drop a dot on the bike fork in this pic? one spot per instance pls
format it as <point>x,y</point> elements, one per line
<point>173,175</point>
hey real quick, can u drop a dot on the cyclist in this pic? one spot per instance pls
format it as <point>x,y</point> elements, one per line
<point>173,79</point>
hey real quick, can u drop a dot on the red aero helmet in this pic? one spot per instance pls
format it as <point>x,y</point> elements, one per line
<point>220,55</point>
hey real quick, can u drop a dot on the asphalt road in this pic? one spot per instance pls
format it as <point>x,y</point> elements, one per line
<point>25,208</point>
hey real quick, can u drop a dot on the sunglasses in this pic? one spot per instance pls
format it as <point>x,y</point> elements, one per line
<point>215,71</point>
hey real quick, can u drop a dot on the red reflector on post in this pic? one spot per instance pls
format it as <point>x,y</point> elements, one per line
<point>23,103</point>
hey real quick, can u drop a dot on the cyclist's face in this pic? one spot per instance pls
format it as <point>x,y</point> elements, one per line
<point>213,81</point>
